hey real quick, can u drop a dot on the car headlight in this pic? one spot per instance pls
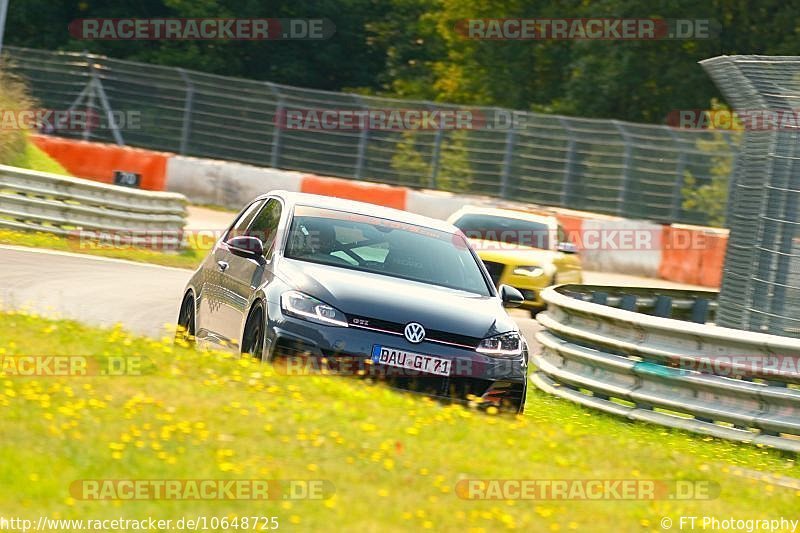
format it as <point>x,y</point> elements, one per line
<point>505,345</point>
<point>530,271</point>
<point>300,305</point>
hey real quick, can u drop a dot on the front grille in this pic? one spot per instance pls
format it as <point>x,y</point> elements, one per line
<point>431,335</point>
<point>495,271</point>
<point>527,294</point>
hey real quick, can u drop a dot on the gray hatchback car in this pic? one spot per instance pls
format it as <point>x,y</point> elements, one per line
<point>404,296</point>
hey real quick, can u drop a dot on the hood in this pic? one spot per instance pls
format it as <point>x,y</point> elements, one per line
<point>397,300</point>
<point>515,253</point>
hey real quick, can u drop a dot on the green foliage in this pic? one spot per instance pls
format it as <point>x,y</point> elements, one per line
<point>411,49</point>
<point>454,172</point>
<point>13,98</point>
<point>409,161</point>
<point>396,461</point>
<point>712,198</point>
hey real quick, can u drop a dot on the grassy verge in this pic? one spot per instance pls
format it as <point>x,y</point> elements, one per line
<point>33,158</point>
<point>394,458</point>
<point>187,258</point>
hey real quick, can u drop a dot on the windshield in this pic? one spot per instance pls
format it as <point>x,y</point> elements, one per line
<point>505,229</point>
<point>386,247</point>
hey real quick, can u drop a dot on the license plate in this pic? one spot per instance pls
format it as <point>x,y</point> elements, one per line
<point>385,355</point>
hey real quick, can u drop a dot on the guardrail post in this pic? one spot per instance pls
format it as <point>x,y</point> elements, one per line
<point>277,129</point>
<point>188,102</point>
<point>700,311</point>
<point>599,298</point>
<point>663,306</point>
<point>628,302</point>
<point>510,137</point>
<point>624,192</point>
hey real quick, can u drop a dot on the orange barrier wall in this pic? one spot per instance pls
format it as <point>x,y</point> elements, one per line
<point>572,226</point>
<point>374,193</point>
<point>98,161</point>
<point>693,256</point>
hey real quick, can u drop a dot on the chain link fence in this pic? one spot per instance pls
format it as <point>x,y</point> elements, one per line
<point>604,166</point>
<point>761,280</point>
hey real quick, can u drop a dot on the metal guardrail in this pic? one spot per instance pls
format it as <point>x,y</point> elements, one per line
<point>672,369</point>
<point>38,201</point>
<point>605,166</point>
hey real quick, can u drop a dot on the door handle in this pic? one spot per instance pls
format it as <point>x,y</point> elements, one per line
<point>223,266</point>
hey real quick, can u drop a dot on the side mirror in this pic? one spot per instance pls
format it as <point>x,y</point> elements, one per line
<point>567,248</point>
<point>248,247</point>
<point>510,296</point>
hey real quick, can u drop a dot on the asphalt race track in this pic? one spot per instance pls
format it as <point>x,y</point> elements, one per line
<point>93,290</point>
<point>103,291</point>
<point>142,297</point>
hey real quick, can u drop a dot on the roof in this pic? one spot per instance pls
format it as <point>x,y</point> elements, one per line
<point>362,208</point>
<point>550,220</point>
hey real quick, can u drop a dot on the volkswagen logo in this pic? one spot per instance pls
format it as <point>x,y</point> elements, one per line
<point>414,332</point>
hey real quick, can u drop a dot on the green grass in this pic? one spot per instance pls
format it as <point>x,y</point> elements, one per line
<point>33,158</point>
<point>393,458</point>
<point>187,258</point>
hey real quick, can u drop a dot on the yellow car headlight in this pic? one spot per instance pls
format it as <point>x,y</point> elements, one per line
<point>530,271</point>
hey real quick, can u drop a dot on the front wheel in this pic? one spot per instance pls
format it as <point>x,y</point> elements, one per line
<point>186,326</point>
<point>253,338</point>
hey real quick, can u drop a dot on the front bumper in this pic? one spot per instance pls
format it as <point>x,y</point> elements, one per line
<point>299,347</point>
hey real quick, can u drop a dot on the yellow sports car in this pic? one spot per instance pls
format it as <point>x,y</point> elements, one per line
<point>525,250</point>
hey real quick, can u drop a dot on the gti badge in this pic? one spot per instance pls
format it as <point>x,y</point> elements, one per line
<point>414,332</point>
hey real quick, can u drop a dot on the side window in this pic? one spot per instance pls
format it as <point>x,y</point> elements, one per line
<point>265,225</point>
<point>244,220</point>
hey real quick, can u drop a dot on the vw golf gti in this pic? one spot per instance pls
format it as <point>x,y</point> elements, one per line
<point>330,279</point>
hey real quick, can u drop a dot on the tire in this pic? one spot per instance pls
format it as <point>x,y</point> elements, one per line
<point>186,320</point>
<point>254,329</point>
<point>535,312</point>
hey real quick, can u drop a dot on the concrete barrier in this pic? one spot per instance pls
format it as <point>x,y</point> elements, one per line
<point>224,183</point>
<point>375,193</point>
<point>99,161</point>
<point>229,184</point>
<point>625,246</point>
<point>693,254</point>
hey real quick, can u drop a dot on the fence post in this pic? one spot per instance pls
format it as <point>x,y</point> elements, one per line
<point>90,93</point>
<point>188,103</point>
<point>276,130</point>
<point>362,141</point>
<point>622,198</point>
<point>736,154</point>
<point>510,138</point>
<point>437,150</point>
<point>680,167</point>
<point>568,185</point>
